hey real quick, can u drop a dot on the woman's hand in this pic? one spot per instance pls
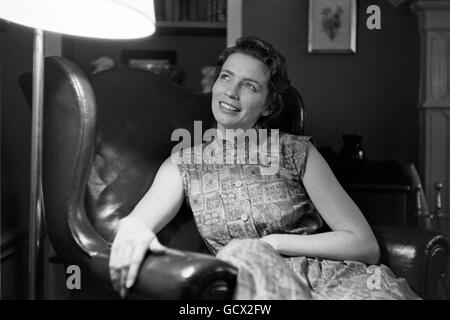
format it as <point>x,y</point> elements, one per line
<point>136,234</point>
<point>132,241</point>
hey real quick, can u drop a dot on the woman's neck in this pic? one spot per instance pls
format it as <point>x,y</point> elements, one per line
<point>230,134</point>
<point>237,135</point>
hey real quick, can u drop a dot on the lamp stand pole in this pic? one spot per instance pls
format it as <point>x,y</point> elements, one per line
<point>36,217</point>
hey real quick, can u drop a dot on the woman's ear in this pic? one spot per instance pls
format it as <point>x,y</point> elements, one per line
<point>267,111</point>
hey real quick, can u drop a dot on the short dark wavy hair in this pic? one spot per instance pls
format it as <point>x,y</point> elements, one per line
<point>259,49</point>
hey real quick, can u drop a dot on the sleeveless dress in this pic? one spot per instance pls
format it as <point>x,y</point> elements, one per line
<point>237,202</point>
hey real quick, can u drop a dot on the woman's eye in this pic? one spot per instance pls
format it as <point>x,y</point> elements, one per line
<point>250,86</point>
<point>224,76</point>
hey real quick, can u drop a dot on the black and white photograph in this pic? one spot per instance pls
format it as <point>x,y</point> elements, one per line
<point>256,153</point>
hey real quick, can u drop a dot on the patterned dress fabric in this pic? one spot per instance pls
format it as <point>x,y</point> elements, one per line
<point>236,198</point>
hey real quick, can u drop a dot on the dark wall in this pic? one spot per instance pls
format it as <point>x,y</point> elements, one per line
<point>16,53</point>
<point>193,52</point>
<point>373,92</point>
<point>16,47</point>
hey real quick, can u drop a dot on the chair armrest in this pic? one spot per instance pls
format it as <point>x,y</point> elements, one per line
<point>186,275</point>
<point>183,275</point>
<point>416,254</point>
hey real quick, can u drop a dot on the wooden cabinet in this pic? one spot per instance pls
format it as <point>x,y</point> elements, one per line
<point>384,193</point>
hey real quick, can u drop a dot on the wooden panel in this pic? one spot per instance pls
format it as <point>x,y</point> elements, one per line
<point>434,23</point>
<point>437,84</point>
<point>437,157</point>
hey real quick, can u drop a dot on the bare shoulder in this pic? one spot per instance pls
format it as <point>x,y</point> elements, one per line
<point>313,153</point>
<point>168,174</point>
<point>316,165</point>
<point>169,166</point>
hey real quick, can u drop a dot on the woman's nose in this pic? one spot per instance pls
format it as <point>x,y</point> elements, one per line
<point>232,91</point>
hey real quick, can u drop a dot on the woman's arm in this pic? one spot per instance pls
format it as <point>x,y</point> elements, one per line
<point>137,231</point>
<point>163,200</point>
<point>351,237</point>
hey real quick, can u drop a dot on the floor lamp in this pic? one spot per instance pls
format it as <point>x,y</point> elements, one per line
<point>106,19</point>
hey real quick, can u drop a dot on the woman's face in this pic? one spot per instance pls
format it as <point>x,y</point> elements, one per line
<point>239,94</point>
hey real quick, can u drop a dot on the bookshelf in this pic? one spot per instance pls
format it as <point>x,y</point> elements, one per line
<point>191,17</point>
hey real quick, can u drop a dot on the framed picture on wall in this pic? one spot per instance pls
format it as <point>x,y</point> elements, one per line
<point>332,26</point>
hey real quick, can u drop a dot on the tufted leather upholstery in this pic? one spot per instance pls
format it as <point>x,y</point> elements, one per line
<point>104,139</point>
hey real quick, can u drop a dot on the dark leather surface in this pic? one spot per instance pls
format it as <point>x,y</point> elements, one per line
<point>416,254</point>
<point>104,139</point>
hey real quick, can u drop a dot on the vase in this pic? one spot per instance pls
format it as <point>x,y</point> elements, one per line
<point>351,157</point>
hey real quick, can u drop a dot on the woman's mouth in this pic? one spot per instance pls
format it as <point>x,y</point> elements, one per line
<point>228,107</point>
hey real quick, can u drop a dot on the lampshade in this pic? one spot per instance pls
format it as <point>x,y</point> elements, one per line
<point>107,19</point>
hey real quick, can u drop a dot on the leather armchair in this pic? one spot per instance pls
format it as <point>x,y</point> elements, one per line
<point>104,139</point>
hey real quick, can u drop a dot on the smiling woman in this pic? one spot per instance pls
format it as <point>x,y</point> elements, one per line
<point>266,224</point>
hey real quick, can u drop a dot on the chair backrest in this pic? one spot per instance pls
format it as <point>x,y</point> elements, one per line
<point>104,140</point>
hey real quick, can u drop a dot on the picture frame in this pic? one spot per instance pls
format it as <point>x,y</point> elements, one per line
<point>332,26</point>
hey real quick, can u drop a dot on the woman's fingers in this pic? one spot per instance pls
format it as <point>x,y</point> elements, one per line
<point>124,260</point>
<point>120,249</point>
<point>123,279</point>
<point>130,244</point>
<point>136,260</point>
<point>114,269</point>
<point>140,247</point>
<point>115,278</point>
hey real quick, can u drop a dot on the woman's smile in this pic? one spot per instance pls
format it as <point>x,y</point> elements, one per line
<point>228,107</point>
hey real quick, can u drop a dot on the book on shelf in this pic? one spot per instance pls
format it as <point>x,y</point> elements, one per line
<point>191,10</point>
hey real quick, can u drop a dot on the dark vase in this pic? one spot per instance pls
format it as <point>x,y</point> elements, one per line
<point>351,157</point>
